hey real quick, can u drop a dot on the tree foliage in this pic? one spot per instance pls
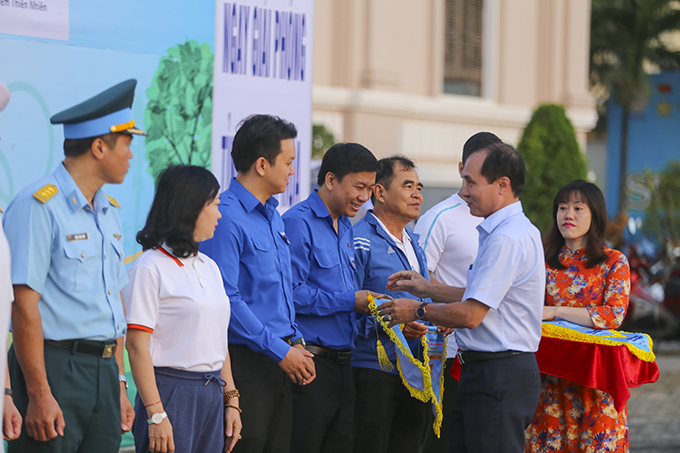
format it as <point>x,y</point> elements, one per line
<point>322,139</point>
<point>178,115</point>
<point>552,158</point>
<point>662,217</point>
<point>627,36</point>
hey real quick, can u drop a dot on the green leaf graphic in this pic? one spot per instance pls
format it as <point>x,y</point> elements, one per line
<point>178,116</point>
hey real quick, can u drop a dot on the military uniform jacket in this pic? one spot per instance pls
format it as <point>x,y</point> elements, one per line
<point>72,254</point>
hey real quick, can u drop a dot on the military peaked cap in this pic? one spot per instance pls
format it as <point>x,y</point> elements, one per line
<point>107,112</point>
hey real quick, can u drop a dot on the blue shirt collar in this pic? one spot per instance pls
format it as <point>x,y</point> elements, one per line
<point>319,209</point>
<point>74,197</point>
<point>247,199</point>
<point>490,223</point>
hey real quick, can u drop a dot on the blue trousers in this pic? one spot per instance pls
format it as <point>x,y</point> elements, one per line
<point>195,407</point>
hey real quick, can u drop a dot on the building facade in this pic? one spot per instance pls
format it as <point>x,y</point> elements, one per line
<point>420,77</point>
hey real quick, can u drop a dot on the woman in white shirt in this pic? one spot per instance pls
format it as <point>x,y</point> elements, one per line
<point>178,314</point>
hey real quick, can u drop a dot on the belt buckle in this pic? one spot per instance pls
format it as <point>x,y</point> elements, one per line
<point>108,351</point>
<point>460,358</point>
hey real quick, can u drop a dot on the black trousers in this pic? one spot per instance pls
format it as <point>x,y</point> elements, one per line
<point>88,392</point>
<point>266,401</point>
<point>495,403</point>
<point>387,419</point>
<point>323,411</point>
<point>433,444</point>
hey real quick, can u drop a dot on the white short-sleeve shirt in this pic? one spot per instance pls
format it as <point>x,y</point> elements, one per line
<point>449,237</point>
<point>182,302</point>
<point>508,276</point>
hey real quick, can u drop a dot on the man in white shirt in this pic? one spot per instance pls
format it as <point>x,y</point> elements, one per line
<point>498,318</point>
<point>448,235</point>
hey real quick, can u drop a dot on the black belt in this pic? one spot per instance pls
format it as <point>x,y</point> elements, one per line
<point>479,356</point>
<point>103,349</point>
<point>340,357</point>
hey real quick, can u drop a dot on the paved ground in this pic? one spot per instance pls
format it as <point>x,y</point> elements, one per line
<point>654,409</point>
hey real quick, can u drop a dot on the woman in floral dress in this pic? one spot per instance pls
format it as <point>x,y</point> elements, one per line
<point>587,284</point>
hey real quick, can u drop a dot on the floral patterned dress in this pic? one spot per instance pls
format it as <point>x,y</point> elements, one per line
<point>571,417</point>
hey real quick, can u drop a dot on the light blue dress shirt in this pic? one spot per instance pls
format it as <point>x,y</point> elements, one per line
<point>72,255</point>
<point>508,276</point>
<point>323,274</point>
<point>252,251</point>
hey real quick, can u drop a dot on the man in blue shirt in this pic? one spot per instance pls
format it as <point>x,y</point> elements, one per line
<point>325,296</point>
<point>387,418</point>
<point>65,236</point>
<point>251,248</point>
<point>497,316</point>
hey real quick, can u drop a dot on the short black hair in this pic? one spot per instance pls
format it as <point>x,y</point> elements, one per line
<point>342,159</point>
<point>503,160</point>
<point>479,141</point>
<point>259,136</point>
<point>386,169</point>
<point>76,147</point>
<point>181,194</point>
<point>592,196</point>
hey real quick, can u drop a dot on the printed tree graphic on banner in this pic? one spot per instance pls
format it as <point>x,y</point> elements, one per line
<point>178,116</point>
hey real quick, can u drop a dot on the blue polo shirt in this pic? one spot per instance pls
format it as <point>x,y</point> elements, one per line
<point>251,249</point>
<point>323,274</point>
<point>72,254</point>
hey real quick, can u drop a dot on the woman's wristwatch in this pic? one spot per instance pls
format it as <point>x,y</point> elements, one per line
<point>157,418</point>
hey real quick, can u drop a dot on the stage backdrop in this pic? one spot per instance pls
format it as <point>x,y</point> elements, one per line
<point>263,64</point>
<point>56,53</point>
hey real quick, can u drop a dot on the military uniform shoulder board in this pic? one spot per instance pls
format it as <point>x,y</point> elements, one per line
<point>47,192</point>
<point>113,201</point>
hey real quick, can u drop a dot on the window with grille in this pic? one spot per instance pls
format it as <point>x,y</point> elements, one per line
<point>463,51</point>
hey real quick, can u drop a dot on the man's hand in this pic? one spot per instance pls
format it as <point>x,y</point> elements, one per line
<point>446,331</point>
<point>127,412</point>
<point>11,420</point>
<point>410,281</point>
<point>299,366</point>
<point>399,311</point>
<point>414,330</point>
<point>361,300</point>
<point>44,418</point>
<point>161,439</point>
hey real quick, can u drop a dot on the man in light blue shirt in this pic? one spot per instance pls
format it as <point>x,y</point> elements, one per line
<point>498,320</point>
<point>322,247</point>
<point>67,270</point>
<point>251,248</point>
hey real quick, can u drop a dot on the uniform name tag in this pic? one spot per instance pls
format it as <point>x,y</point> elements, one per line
<point>77,237</point>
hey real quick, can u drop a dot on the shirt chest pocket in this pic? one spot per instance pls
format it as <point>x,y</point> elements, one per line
<point>327,259</point>
<point>266,255</point>
<point>80,265</point>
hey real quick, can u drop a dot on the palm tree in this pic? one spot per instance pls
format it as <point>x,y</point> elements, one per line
<point>626,37</point>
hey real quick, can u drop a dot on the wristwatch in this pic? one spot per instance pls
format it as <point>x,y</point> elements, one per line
<point>157,418</point>
<point>121,378</point>
<point>421,311</point>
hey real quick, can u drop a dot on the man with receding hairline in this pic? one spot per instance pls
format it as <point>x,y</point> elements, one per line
<point>497,316</point>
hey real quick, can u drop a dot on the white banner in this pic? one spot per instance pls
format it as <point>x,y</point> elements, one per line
<point>36,18</point>
<point>263,64</point>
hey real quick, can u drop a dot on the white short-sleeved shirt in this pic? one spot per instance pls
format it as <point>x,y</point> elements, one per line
<point>449,237</point>
<point>182,302</point>
<point>6,298</point>
<point>508,276</point>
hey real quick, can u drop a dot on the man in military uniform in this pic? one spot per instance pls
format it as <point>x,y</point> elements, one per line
<point>65,236</point>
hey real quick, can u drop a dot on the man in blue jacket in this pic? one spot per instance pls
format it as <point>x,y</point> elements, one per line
<point>322,256</point>
<point>387,418</point>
